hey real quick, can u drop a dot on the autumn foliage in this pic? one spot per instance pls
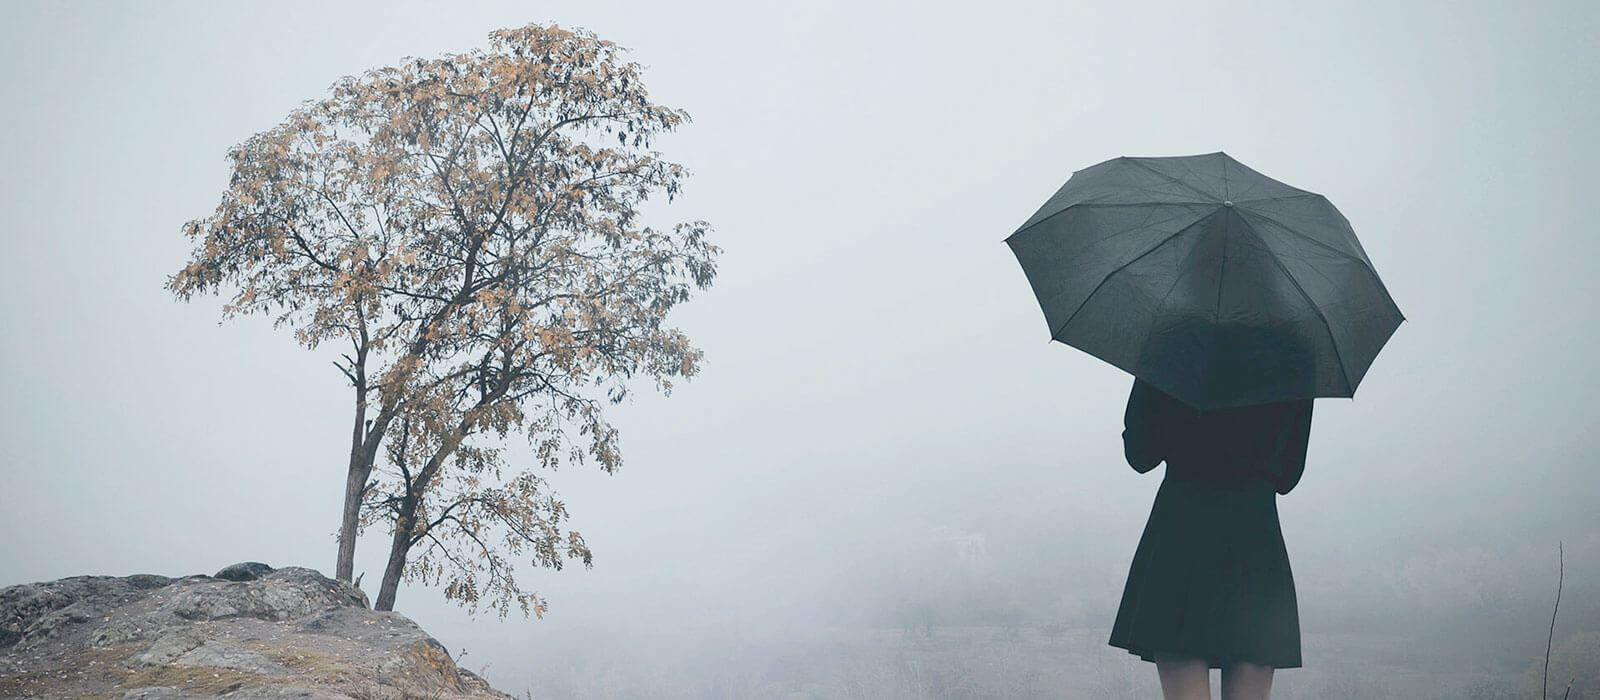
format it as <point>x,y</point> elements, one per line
<point>467,230</point>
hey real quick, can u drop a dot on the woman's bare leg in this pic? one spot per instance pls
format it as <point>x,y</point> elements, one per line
<point>1183,677</point>
<point>1246,681</point>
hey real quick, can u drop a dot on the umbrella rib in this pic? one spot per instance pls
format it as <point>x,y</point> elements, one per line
<point>1057,330</point>
<point>1227,195</point>
<point>1172,179</point>
<point>1178,279</point>
<point>1361,255</point>
<point>1275,198</point>
<point>1222,270</point>
<point>1098,205</point>
<point>1297,234</point>
<point>1332,341</point>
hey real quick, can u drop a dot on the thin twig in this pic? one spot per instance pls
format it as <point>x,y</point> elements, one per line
<point>1544,685</point>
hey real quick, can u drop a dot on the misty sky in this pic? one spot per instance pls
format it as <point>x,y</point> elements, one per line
<point>878,376</point>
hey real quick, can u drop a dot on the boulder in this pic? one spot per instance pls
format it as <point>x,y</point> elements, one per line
<point>282,594</point>
<point>243,571</point>
<point>251,631</point>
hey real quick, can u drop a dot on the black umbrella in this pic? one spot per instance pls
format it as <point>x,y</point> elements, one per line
<point>1213,282</point>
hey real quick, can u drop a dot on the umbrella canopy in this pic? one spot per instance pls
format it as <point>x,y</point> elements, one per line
<point>1217,284</point>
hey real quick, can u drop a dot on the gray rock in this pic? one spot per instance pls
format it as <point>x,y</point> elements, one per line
<point>147,582</point>
<point>274,692</point>
<point>355,623</point>
<point>57,621</point>
<point>285,594</point>
<point>167,647</point>
<point>21,606</point>
<point>219,655</point>
<point>38,611</point>
<point>244,571</point>
<point>155,692</point>
<point>117,632</point>
<point>321,627</point>
<point>424,663</point>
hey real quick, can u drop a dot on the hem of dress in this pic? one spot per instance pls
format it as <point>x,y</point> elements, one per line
<point>1149,655</point>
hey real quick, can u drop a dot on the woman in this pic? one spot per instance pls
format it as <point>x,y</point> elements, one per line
<point>1210,585</point>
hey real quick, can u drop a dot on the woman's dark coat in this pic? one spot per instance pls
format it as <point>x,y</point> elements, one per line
<point>1211,577</point>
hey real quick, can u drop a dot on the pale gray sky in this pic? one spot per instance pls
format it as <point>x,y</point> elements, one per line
<point>878,374</point>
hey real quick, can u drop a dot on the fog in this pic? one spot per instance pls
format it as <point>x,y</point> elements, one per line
<point>883,448</point>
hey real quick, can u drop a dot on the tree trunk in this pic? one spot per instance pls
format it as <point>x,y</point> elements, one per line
<point>363,453</point>
<point>355,480</point>
<point>406,520</point>
<point>355,484</point>
<point>398,548</point>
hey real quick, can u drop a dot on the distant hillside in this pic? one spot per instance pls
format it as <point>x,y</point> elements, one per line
<point>250,631</point>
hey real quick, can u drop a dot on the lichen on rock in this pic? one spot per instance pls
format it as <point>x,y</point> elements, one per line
<point>218,655</point>
<point>166,648</point>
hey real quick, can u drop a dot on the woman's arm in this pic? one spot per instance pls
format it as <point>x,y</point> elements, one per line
<point>1144,430</point>
<point>1289,459</point>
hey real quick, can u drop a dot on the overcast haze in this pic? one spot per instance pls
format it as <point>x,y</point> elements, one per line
<point>878,387</point>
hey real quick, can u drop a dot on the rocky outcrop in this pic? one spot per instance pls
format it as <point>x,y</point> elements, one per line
<point>250,631</point>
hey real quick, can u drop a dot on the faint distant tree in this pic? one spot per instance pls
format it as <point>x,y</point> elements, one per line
<point>467,226</point>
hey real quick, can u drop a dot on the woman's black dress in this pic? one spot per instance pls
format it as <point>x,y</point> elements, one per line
<point>1211,576</point>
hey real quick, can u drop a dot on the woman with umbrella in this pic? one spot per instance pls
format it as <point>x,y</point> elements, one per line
<point>1234,300</point>
<point>1210,585</point>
